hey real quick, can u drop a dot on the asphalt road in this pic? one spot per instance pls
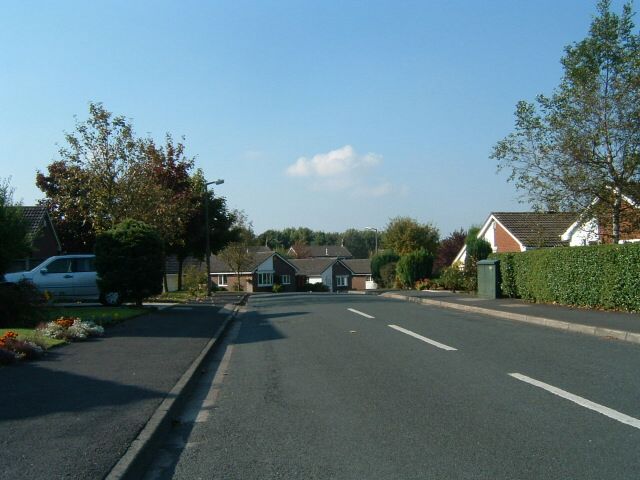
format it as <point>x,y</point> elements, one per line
<point>74,413</point>
<point>306,388</point>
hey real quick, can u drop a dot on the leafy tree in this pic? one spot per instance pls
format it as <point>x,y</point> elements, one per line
<point>221,223</point>
<point>14,243</point>
<point>361,243</point>
<point>66,188</point>
<point>414,266</point>
<point>448,249</point>
<point>476,249</point>
<point>583,142</point>
<point>238,257</point>
<point>130,261</point>
<point>404,235</point>
<point>380,260</point>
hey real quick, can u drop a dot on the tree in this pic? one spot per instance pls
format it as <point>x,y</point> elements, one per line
<point>404,235</point>
<point>414,266</point>
<point>129,261</point>
<point>379,261</point>
<point>476,249</point>
<point>67,191</point>
<point>361,243</point>
<point>448,249</point>
<point>579,149</point>
<point>14,243</point>
<point>239,258</point>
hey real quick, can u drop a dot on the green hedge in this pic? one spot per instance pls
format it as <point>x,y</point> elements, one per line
<point>602,276</point>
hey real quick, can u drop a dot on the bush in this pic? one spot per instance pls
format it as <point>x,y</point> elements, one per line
<point>129,261</point>
<point>426,284</point>
<point>477,249</point>
<point>195,280</point>
<point>315,287</point>
<point>379,261</point>
<point>388,275</point>
<point>20,305</point>
<point>600,276</point>
<point>452,278</point>
<point>276,288</point>
<point>413,266</point>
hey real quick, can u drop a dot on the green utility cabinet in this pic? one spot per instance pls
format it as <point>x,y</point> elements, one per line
<point>489,278</point>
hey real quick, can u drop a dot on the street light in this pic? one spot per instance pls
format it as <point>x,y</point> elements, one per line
<point>375,230</point>
<point>206,232</point>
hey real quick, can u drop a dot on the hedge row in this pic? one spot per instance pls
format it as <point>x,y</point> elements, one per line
<point>601,276</point>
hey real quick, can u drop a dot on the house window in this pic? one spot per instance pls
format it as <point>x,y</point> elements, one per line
<point>265,279</point>
<point>285,279</point>
<point>342,281</point>
<point>223,280</point>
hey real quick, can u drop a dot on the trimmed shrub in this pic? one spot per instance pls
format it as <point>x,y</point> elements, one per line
<point>379,261</point>
<point>414,266</point>
<point>20,305</point>
<point>129,261</point>
<point>599,276</point>
<point>452,278</point>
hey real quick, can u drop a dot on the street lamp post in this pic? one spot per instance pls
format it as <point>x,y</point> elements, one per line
<point>375,230</point>
<point>206,232</point>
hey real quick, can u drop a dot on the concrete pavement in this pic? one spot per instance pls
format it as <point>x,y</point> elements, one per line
<point>89,405</point>
<point>619,325</point>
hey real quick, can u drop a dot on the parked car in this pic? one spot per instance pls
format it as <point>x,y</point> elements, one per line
<point>68,277</point>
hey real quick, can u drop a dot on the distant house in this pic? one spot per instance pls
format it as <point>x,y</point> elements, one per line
<point>360,272</point>
<point>188,264</point>
<point>264,268</point>
<point>42,236</point>
<point>331,272</point>
<point>629,223</point>
<point>521,231</point>
<point>320,251</point>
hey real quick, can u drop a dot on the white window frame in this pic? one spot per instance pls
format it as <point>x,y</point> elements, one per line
<point>223,280</point>
<point>342,280</point>
<point>261,279</point>
<point>285,279</point>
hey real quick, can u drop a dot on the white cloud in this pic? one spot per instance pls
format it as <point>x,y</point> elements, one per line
<point>343,161</point>
<point>343,169</point>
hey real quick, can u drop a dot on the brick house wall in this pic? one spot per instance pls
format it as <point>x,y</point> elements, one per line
<point>503,241</point>
<point>629,225</point>
<point>359,282</point>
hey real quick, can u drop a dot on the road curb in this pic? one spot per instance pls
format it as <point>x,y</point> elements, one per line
<point>134,462</point>
<point>622,335</point>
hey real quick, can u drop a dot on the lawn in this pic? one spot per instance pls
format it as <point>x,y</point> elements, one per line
<point>33,336</point>
<point>104,316</point>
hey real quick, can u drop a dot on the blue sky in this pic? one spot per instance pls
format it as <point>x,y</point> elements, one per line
<point>329,115</point>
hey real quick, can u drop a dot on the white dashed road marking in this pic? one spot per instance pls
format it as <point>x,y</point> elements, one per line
<point>596,407</point>
<point>424,339</point>
<point>360,313</point>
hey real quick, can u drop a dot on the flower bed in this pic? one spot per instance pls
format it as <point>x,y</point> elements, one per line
<point>64,328</point>
<point>12,349</point>
<point>71,328</point>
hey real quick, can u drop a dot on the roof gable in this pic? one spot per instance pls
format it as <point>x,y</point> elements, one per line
<point>313,266</point>
<point>536,229</point>
<point>358,266</point>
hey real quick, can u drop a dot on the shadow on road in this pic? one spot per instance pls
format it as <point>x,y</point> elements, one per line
<point>33,390</point>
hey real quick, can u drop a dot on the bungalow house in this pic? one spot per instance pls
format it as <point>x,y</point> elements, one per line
<point>263,268</point>
<point>42,236</point>
<point>520,231</point>
<point>173,270</point>
<point>331,272</point>
<point>360,272</point>
<point>319,251</point>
